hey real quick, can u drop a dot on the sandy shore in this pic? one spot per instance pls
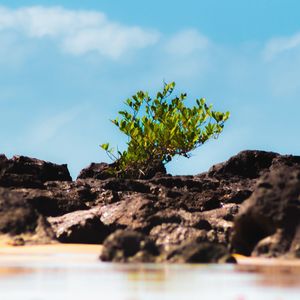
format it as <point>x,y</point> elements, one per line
<point>50,249</point>
<point>40,250</point>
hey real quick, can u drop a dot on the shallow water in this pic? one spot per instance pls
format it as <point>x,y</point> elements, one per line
<point>81,276</point>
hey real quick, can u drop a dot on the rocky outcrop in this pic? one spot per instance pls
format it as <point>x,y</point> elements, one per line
<point>20,221</point>
<point>129,246</point>
<point>246,164</point>
<point>248,204</point>
<point>21,171</point>
<point>104,171</point>
<point>26,199</point>
<point>83,226</point>
<point>96,171</point>
<point>133,246</point>
<point>269,221</point>
<point>200,252</point>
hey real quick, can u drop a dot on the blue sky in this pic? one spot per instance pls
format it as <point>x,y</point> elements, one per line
<point>66,67</point>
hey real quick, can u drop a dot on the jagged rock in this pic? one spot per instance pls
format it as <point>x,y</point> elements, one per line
<point>200,252</point>
<point>20,220</point>
<point>80,227</point>
<point>124,185</point>
<point>96,171</point>
<point>169,236</point>
<point>248,164</point>
<point>152,169</point>
<point>21,171</point>
<point>189,206</point>
<point>173,212</point>
<point>16,215</point>
<point>128,246</point>
<point>53,200</point>
<point>105,171</point>
<point>58,198</point>
<point>294,250</point>
<point>133,213</point>
<point>132,246</point>
<point>269,220</point>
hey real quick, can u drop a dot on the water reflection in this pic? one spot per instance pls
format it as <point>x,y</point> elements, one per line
<point>81,276</point>
<point>274,275</point>
<point>9,271</point>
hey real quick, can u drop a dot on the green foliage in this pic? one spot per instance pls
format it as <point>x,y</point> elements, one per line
<point>161,127</point>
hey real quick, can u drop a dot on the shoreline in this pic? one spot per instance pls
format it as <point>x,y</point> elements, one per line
<point>61,249</point>
<point>50,249</point>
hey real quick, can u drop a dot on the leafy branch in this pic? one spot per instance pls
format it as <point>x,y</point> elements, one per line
<point>162,127</point>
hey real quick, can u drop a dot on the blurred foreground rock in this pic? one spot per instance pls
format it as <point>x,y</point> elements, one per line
<point>269,221</point>
<point>248,204</point>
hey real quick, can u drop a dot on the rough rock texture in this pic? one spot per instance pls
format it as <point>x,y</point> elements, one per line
<point>200,252</point>
<point>21,171</point>
<point>23,193</point>
<point>104,171</point>
<point>96,171</point>
<point>83,226</point>
<point>183,217</point>
<point>21,221</point>
<point>132,246</point>
<point>129,246</point>
<point>269,221</point>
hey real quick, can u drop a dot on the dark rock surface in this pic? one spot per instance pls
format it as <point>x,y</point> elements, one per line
<point>96,171</point>
<point>21,221</point>
<point>268,223</point>
<point>133,246</point>
<point>82,226</point>
<point>129,246</point>
<point>201,252</point>
<point>248,164</point>
<point>165,218</point>
<point>104,171</point>
<point>21,171</point>
<point>26,198</point>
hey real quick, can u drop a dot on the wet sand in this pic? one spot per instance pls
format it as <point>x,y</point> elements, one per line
<point>50,249</point>
<point>32,250</point>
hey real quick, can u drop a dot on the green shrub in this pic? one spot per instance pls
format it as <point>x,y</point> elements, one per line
<point>161,127</point>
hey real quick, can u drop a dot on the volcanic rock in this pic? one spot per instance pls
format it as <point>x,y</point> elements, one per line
<point>200,252</point>
<point>21,171</point>
<point>249,204</point>
<point>268,222</point>
<point>103,171</point>
<point>19,219</point>
<point>96,171</point>
<point>128,246</point>
<point>83,226</point>
<point>247,164</point>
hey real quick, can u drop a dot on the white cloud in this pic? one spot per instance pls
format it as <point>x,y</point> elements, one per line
<point>43,131</point>
<point>111,40</point>
<point>77,32</point>
<point>277,46</point>
<point>186,42</point>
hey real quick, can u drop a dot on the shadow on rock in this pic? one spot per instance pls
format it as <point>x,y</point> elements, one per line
<point>268,222</point>
<point>128,246</point>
